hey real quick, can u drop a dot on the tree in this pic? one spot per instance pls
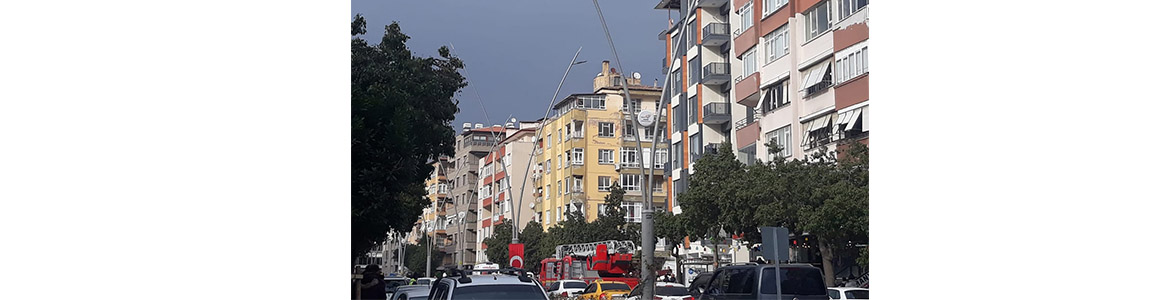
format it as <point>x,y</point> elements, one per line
<point>416,256</point>
<point>401,107</point>
<point>715,199</point>
<point>612,224</point>
<point>672,229</point>
<point>497,251</point>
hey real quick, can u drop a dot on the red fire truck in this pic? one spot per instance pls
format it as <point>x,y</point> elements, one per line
<point>605,260</point>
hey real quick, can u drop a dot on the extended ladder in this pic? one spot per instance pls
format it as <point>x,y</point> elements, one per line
<point>586,249</point>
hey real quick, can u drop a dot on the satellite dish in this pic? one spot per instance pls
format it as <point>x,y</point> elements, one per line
<point>637,75</point>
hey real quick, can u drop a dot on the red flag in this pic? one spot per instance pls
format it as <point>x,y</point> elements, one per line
<point>516,255</point>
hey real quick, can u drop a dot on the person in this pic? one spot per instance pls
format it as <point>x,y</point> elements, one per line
<point>373,285</point>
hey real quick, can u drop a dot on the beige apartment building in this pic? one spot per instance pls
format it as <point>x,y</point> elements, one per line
<point>495,192</point>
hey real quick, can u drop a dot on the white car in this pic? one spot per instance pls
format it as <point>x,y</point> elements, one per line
<point>848,293</point>
<point>563,289</point>
<point>424,281</point>
<point>663,291</point>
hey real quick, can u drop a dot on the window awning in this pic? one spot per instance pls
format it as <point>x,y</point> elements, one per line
<point>763,97</point>
<point>847,120</point>
<point>854,119</point>
<point>815,76</point>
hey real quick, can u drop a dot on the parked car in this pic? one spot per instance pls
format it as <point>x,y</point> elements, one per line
<point>758,282</point>
<point>699,284</point>
<point>501,285</point>
<point>410,292</point>
<point>604,290</point>
<point>424,281</point>
<point>663,291</point>
<point>848,293</point>
<point>563,289</point>
<point>393,283</point>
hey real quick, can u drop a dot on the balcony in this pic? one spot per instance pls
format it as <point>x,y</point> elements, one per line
<point>711,3</point>
<point>716,34</point>
<point>717,113</point>
<point>716,73</point>
<point>747,90</point>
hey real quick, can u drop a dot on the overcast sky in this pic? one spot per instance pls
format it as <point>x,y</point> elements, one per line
<point>516,51</point>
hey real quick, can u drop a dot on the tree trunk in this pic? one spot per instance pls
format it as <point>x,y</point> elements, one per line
<point>678,263</point>
<point>715,253</point>
<point>827,262</point>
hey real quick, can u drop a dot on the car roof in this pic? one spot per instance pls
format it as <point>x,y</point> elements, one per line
<point>570,280</point>
<point>839,288</point>
<point>668,284</point>
<point>492,279</point>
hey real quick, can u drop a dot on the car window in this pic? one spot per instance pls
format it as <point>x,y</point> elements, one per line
<point>556,285</point>
<point>741,281</point>
<point>718,284</point>
<point>835,294</point>
<point>793,281</point>
<point>670,291</point>
<point>574,285</point>
<point>637,290</point>
<point>499,291</point>
<point>857,294</point>
<point>439,291</point>
<point>591,288</point>
<point>423,281</point>
<point>614,286</point>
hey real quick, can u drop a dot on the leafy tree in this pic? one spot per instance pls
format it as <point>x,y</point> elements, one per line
<point>416,256</point>
<point>533,236</point>
<point>497,251</point>
<point>716,199</point>
<point>611,224</point>
<point>672,229</point>
<point>401,108</point>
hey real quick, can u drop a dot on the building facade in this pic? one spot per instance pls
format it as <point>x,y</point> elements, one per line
<point>588,144</point>
<point>505,165</point>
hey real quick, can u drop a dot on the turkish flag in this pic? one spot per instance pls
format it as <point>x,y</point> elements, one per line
<point>516,255</point>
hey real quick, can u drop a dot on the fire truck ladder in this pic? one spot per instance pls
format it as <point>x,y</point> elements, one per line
<point>586,249</point>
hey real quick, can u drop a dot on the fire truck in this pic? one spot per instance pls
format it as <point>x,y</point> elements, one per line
<point>605,260</point>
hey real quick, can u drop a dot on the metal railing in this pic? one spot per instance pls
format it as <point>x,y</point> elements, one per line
<point>716,28</point>
<point>717,108</point>
<point>717,68</point>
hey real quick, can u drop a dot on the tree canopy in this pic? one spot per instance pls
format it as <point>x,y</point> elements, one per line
<point>402,107</point>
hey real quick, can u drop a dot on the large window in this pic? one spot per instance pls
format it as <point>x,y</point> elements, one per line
<point>603,183</point>
<point>629,157</point>
<point>852,63</point>
<point>676,79</point>
<point>578,184</point>
<point>605,156</point>
<point>660,158</point>
<point>818,78</point>
<point>578,156</point>
<point>776,44</point>
<point>776,96</point>
<point>693,110</point>
<point>591,101</point>
<point>628,131</point>
<point>605,129</point>
<point>696,148</point>
<point>677,153</point>
<point>633,211</point>
<point>818,131</point>
<point>846,8</point>
<point>746,18</point>
<point>783,138</point>
<point>749,62</point>
<point>632,182</point>
<point>691,33</point>
<point>678,116</point>
<point>771,6</point>
<point>816,21</point>
<point>694,71</point>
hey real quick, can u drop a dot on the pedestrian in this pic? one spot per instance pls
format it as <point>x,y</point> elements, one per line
<point>373,285</point>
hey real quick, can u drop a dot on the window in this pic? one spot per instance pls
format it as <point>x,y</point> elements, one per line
<point>696,148</point>
<point>783,138</point>
<point>568,157</point>
<point>628,131</point>
<point>745,18</point>
<point>776,44</point>
<point>547,166</point>
<point>818,132</point>
<point>846,8</point>
<point>603,183</point>
<point>633,211</point>
<point>816,21</point>
<point>560,188</point>
<point>747,155</point>
<point>578,156</point>
<point>775,97</point>
<point>559,160</point>
<point>605,129</point>
<point>818,78</point>
<point>694,71</point>
<point>851,124</point>
<point>678,120</point>
<point>549,145</point>
<point>676,154</point>
<point>629,157</point>
<point>796,281</point>
<point>605,156</point>
<point>749,62</point>
<point>741,281</point>
<point>692,110</point>
<point>578,184</point>
<point>656,185</point>
<point>676,82</point>
<point>547,194</point>
<point>632,182</point>
<point>851,63</point>
<point>591,101</point>
<point>770,6</point>
<point>691,33</point>
<point>561,134</point>
<point>660,158</point>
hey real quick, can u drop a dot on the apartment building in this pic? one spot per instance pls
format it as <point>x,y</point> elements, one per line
<point>802,74</point>
<point>498,169</point>
<point>456,219</point>
<point>588,143</point>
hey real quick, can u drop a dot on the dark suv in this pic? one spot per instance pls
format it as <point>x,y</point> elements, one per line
<point>758,282</point>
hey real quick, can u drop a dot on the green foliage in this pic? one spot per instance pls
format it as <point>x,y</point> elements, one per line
<point>416,257</point>
<point>497,251</point>
<point>401,107</point>
<point>715,198</point>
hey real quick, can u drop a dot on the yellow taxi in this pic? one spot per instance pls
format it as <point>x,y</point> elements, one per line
<point>605,290</point>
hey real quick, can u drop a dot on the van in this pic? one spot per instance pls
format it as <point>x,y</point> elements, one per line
<point>758,282</point>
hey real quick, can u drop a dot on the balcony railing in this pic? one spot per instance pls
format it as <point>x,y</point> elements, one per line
<point>717,113</point>
<point>716,34</point>
<point>716,73</point>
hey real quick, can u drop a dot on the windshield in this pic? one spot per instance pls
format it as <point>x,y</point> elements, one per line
<point>574,285</point>
<point>495,292</point>
<point>423,281</point>
<point>614,286</point>
<point>793,281</point>
<point>671,291</point>
<point>857,294</point>
<point>419,298</point>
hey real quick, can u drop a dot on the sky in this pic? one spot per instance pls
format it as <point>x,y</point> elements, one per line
<point>515,52</point>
